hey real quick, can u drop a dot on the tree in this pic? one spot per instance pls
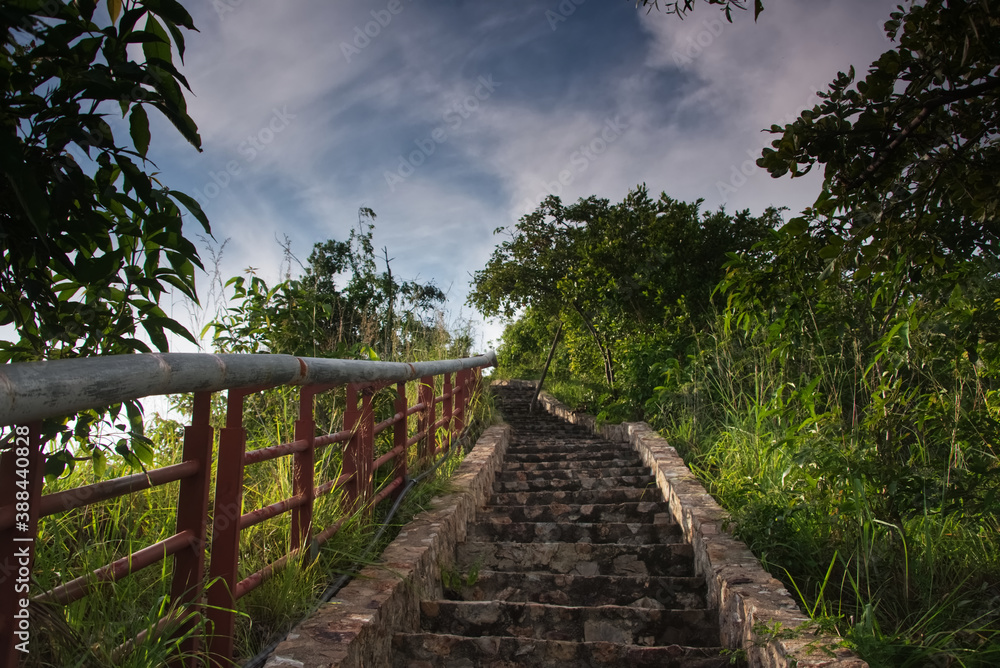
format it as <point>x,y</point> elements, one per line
<point>912,152</point>
<point>619,268</point>
<point>90,241</point>
<point>341,305</point>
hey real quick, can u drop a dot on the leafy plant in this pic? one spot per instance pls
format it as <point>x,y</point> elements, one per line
<point>90,240</point>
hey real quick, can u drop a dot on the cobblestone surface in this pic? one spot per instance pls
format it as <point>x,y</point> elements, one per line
<point>577,559</point>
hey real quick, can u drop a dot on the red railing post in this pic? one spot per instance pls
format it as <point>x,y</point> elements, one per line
<point>400,432</point>
<point>192,512</point>
<point>461,397</point>
<point>304,467</point>
<point>426,421</point>
<point>224,568</point>
<point>359,453</point>
<point>21,488</point>
<point>447,409</point>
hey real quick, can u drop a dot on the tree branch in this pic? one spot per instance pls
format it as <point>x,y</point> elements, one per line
<point>929,106</point>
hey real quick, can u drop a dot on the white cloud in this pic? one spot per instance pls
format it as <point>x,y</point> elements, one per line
<point>690,98</point>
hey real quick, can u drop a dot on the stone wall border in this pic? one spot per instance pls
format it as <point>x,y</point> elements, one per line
<point>756,613</point>
<point>355,629</point>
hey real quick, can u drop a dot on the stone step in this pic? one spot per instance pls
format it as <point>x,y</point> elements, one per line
<point>609,623</point>
<point>613,495</point>
<point>674,559</point>
<point>597,464</point>
<point>563,443</point>
<point>555,532</point>
<point>658,592</point>
<point>563,447</point>
<point>576,562</point>
<point>571,471</point>
<point>580,483</point>
<point>636,511</point>
<point>424,650</point>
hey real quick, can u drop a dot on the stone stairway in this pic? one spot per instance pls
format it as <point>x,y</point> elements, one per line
<point>575,562</point>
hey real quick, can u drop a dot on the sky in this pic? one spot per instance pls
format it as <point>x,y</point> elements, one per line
<point>452,118</point>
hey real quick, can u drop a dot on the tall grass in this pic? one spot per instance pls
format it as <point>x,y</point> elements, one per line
<point>893,544</point>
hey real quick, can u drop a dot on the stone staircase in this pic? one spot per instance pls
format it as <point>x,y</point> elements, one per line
<point>575,562</point>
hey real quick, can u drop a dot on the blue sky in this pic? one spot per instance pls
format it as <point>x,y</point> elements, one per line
<point>453,118</point>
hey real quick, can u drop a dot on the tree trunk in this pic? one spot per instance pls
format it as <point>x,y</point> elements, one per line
<point>545,370</point>
<point>609,373</point>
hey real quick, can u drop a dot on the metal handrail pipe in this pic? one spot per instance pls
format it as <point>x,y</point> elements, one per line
<point>78,588</point>
<point>254,580</point>
<point>267,512</point>
<point>274,451</point>
<point>419,436</point>
<point>329,532</point>
<point>78,497</point>
<point>330,485</point>
<point>339,437</point>
<point>387,490</point>
<point>32,391</point>
<point>392,454</point>
<point>386,423</point>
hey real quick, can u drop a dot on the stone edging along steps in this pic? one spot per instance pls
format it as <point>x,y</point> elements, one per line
<point>755,611</point>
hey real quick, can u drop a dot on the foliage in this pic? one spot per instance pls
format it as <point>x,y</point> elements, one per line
<point>843,403</point>
<point>90,240</point>
<point>614,271</point>
<point>341,306</point>
<point>89,247</point>
<point>911,152</point>
<point>681,8</point>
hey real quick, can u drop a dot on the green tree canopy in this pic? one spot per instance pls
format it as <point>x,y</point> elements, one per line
<point>618,267</point>
<point>340,306</point>
<point>90,241</point>
<point>911,152</point>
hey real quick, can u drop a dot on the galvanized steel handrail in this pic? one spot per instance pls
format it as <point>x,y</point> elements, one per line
<point>32,392</point>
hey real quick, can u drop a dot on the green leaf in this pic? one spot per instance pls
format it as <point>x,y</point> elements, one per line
<point>193,207</point>
<point>181,120</point>
<point>159,49</point>
<point>100,462</point>
<point>139,129</point>
<point>114,9</point>
<point>795,226</point>
<point>143,452</point>
<point>172,11</point>
<point>758,7</point>
<point>32,198</point>
<point>134,177</point>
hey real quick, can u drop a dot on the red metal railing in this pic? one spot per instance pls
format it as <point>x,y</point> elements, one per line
<point>21,481</point>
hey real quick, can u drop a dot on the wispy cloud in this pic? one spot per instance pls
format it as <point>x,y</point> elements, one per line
<point>612,97</point>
